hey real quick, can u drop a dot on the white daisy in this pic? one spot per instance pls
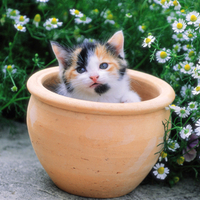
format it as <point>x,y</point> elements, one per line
<point>163,155</point>
<point>52,23</point>
<point>186,90</point>
<point>165,4</point>
<point>12,14</point>
<point>197,131</point>
<point>187,47</point>
<point>173,107</point>
<point>189,35</point>
<point>171,19</point>
<point>109,21</point>
<point>148,41</point>
<point>128,15</point>
<point>178,37</point>
<point>176,5</point>
<point>20,27</point>
<point>183,112</point>
<point>192,17</point>
<point>163,55</point>
<point>142,28</point>
<point>10,68</point>
<point>177,67</point>
<point>197,123</point>
<point>187,67</point>
<point>189,55</point>
<point>160,171</point>
<point>196,72</point>
<point>83,20</point>
<point>177,47</point>
<point>76,13</point>
<point>192,106</point>
<point>37,20</point>
<point>22,20</point>
<point>196,90</point>
<point>172,145</point>
<point>197,24</point>
<point>179,26</point>
<point>186,132</point>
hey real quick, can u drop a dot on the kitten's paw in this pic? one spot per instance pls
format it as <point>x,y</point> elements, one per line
<point>130,97</point>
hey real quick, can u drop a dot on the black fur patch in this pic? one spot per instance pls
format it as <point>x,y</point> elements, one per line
<point>83,55</point>
<point>111,49</point>
<point>101,89</point>
<point>122,71</point>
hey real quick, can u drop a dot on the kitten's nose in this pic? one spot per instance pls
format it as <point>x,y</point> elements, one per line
<point>94,78</point>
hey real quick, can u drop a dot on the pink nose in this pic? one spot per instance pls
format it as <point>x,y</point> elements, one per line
<point>94,78</point>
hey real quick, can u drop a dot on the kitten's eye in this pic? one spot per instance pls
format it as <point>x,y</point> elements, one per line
<point>103,65</point>
<point>80,70</point>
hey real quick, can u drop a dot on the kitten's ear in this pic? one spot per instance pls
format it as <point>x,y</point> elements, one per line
<point>60,52</point>
<point>117,40</point>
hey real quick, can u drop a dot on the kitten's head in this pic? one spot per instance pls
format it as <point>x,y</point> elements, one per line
<point>92,68</point>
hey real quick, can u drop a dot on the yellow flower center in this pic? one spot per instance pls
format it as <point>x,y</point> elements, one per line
<point>148,40</point>
<point>190,35</point>
<point>54,21</point>
<point>180,160</point>
<point>20,27</point>
<point>182,111</point>
<point>197,88</point>
<point>182,10</point>
<point>76,12</point>
<point>96,10</point>
<point>110,16</point>
<point>13,13</point>
<point>162,2</point>
<point>9,68</point>
<point>176,48</point>
<point>143,27</point>
<point>179,66</point>
<point>192,105</point>
<point>21,18</point>
<point>37,18</point>
<point>193,18</point>
<point>172,145</point>
<point>186,131</point>
<point>176,179</point>
<point>163,54</point>
<point>163,154</point>
<point>175,3</point>
<point>180,35</point>
<point>189,46</point>
<point>161,170</point>
<point>191,53</point>
<point>179,26</point>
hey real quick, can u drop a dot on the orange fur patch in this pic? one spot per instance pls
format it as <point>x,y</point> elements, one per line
<point>104,56</point>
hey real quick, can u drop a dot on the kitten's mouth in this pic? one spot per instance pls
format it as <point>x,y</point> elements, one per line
<point>94,85</point>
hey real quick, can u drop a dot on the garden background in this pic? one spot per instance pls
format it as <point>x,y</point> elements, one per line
<point>161,38</point>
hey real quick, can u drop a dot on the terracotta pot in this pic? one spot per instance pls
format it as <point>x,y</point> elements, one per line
<point>99,150</point>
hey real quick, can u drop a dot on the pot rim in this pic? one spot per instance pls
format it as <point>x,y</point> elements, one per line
<point>164,99</point>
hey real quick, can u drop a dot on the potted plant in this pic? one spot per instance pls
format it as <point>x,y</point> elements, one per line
<point>93,149</point>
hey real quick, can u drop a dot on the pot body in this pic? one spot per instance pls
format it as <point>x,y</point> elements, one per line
<point>100,153</point>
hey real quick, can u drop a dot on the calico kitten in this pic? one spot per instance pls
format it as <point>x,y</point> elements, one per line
<point>95,71</point>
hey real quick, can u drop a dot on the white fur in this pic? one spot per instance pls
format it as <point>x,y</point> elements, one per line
<point>119,91</point>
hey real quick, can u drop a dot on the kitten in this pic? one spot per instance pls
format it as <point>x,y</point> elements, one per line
<point>95,71</point>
